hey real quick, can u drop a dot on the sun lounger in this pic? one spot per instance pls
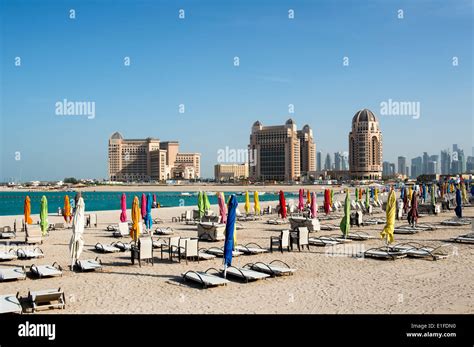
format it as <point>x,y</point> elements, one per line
<point>7,233</point>
<point>277,221</point>
<point>456,222</point>
<point>468,238</point>
<point>106,248</point>
<point>204,278</point>
<point>49,298</point>
<point>158,243</point>
<point>219,252</point>
<point>329,227</point>
<point>245,274</point>
<point>158,221</point>
<point>274,268</point>
<point>359,236</point>
<point>29,253</point>
<point>122,246</point>
<point>56,226</point>
<point>10,304</point>
<point>311,223</point>
<point>250,248</point>
<point>46,270</point>
<point>164,231</point>
<point>12,273</point>
<point>338,238</point>
<point>384,253</point>
<point>406,230</point>
<point>33,234</point>
<point>122,230</point>
<point>89,265</point>
<point>373,221</point>
<point>322,242</point>
<point>6,256</point>
<point>112,227</point>
<point>205,256</point>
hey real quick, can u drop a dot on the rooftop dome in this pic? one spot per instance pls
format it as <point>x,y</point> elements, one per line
<point>257,124</point>
<point>364,115</point>
<point>290,122</point>
<point>116,136</point>
<point>306,127</point>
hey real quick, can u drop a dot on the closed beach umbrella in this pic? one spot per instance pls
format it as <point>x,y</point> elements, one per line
<point>458,208</point>
<point>207,204</point>
<point>314,206</point>
<point>222,209</point>
<point>77,242</point>
<point>367,200</point>
<point>308,198</point>
<point>433,195</point>
<point>410,192</point>
<point>256,202</point>
<point>464,193</point>
<point>44,215</point>
<point>331,201</point>
<point>360,194</point>
<point>148,219</point>
<point>301,200</point>
<point>387,232</point>
<point>372,192</point>
<point>282,211</point>
<point>229,232</point>
<point>154,200</point>
<point>200,205</point>
<point>67,209</point>
<point>123,205</point>
<point>376,195</point>
<point>357,194</point>
<point>346,220</point>
<point>143,206</point>
<point>413,214</point>
<point>247,202</point>
<point>134,231</point>
<point>327,201</point>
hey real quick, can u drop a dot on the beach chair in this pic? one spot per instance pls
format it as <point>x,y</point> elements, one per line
<point>33,234</point>
<point>12,273</point>
<point>122,230</point>
<point>456,222</point>
<point>219,252</point>
<point>467,238</point>
<point>188,218</point>
<point>18,225</point>
<point>300,238</point>
<point>211,231</point>
<point>46,270</point>
<point>246,274</point>
<point>384,253</point>
<point>416,250</point>
<point>274,268</point>
<point>7,233</point>
<point>169,247</point>
<point>359,236</point>
<point>91,220</point>
<point>56,226</point>
<point>204,278</point>
<point>373,221</point>
<point>329,227</point>
<point>35,253</point>
<point>164,231</point>
<point>283,241</point>
<point>144,252</point>
<point>187,248</point>
<point>323,241</point>
<point>7,256</point>
<point>311,223</point>
<point>250,249</point>
<point>49,298</point>
<point>89,265</point>
<point>106,248</point>
<point>124,247</point>
<point>10,304</point>
<point>158,221</point>
<point>277,221</point>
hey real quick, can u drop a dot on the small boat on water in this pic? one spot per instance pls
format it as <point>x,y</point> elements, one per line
<point>185,194</point>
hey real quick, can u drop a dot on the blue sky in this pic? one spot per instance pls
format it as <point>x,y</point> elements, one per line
<point>190,62</point>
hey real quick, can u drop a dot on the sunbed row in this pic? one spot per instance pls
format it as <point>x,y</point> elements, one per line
<point>49,298</point>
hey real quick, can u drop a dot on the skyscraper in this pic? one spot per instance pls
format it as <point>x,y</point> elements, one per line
<point>416,167</point>
<point>426,159</point>
<point>435,159</point>
<point>365,146</point>
<point>318,161</point>
<point>327,163</point>
<point>281,152</point>
<point>445,162</point>
<point>402,165</point>
<point>338,161</point>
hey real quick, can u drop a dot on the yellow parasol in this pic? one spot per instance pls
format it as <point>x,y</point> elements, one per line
<point>67,209</point>
<point>256,203</point>
<point>387,232</point>
<point>247,202</point>
<point>135,232</point>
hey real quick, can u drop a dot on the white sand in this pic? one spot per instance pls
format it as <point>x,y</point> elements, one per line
<point>322,283</point>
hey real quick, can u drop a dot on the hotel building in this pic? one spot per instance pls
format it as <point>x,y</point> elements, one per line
<point>231,172</point>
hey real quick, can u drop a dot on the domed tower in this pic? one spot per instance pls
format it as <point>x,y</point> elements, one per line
<point>365,146</point>
<point>307,150</point>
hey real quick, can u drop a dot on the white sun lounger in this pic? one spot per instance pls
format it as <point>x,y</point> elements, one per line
<point>359,236</point>
<point>30,254</point>
<point>384,253</point>
<point>10,304</point>
<point>318,241</point>
<point>205,279</point>
<point>164,231</point>
<point>456,222</point>
<point>122,230</point>
<point>219,252</point>
<point>329,227</point>
<point>277,221</point>
<point>49,298</point>
<point>338,238</point>
<point>251,248</point>
<point>205,256</point>
<point>271,268</point>
<point>47,270</point>
<point>245,274</point>
<point>468,238</point>
<point>89,265</point>
<point>124,247</point>
<point>7,233</point>
<point>6,256</point>
<point>106,248</point>
<point>406,230</point>
<point>12,273</point>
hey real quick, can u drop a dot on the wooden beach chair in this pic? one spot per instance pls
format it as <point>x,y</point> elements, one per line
<point>33,234</point>
<point>49,298</point>
<point>282,241</point>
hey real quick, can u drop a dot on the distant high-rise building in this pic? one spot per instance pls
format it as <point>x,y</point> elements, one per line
<point>365,146</point>
<point>338,161</point>
<point>470,164</point>
<point>402,165</point>
<point>455,147</point>
<point>345,162</point>
<point>445,162</point>
<point>393,170</point>
<point>281,152</point>
<point>435,158</point>
<point>426,158</point>
<point>327,163</point>
<point>319,161</point>
<point>432,167</point>
<point>388,169</point>
<point>416,167</point>
<point>407,172</point>
<point>458,161</point>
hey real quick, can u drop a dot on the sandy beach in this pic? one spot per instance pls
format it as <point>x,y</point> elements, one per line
<point>323,283</point>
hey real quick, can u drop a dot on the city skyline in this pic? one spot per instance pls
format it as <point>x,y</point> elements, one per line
<point>287,68</point>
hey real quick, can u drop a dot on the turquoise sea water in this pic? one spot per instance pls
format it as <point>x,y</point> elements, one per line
<point>11,203</point>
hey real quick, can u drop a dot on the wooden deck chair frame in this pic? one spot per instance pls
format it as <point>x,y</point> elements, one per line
<point>47,298</point>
